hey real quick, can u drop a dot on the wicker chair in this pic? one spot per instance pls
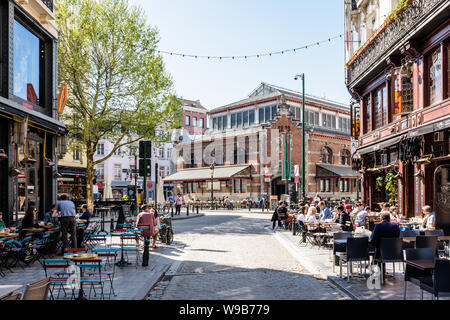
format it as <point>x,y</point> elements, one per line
<point>37,290</point>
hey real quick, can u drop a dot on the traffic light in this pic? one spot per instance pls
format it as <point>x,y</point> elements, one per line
<point>142,166</point>
<point>147,146</point>
<point>131,192</point>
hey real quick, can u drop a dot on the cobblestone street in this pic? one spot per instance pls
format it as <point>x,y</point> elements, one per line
<point>232,256</point>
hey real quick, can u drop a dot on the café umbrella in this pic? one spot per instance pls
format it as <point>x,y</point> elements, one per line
<point>107,191</point>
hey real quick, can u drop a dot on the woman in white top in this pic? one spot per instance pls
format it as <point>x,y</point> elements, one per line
<point>311,217</point>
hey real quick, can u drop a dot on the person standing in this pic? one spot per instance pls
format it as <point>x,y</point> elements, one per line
<point>178,204</point>
<point>171,203</point>
<point>157,226</point>
<point>66,209</point>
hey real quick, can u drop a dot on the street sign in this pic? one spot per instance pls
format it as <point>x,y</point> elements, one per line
<point>149,185</point>
<point>100,185</point>
<point>62,98</point>
<point>296,180</point>
<point>354,145</point>
<point>267,179</point>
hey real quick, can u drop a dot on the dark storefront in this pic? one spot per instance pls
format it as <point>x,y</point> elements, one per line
<point>30,134</point>
<point>72,181</point>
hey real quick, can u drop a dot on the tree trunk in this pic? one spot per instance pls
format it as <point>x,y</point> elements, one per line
<point>90,182</point>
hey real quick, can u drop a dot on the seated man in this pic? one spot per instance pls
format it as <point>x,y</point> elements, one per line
<point>325,212</point>
<point>85,215</point>
<point>429,220</point>
<point>385,229</point>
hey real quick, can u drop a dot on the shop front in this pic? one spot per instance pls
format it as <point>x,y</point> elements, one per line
<point>72,181</point>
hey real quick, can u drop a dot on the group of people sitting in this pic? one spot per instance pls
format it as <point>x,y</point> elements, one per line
<point>349,216</point>
<point>62,214</point>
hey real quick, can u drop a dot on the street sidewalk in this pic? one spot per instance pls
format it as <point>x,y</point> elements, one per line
<point>319,263</point>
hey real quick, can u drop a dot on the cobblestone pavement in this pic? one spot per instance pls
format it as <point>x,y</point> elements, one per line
<point>232,256</point>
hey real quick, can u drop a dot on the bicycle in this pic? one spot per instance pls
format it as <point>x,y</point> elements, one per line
<point>166,233</point>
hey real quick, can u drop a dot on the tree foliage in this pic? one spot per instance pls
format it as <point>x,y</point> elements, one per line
<point>119,89</point>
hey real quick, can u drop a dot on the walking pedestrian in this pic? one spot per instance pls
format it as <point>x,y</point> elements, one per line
<point>157,226</point>
<point>178,204</point>
<point>66,209</point>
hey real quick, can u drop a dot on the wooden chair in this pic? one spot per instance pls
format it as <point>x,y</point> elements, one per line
<point>37,290</point>
<point>13,297</point>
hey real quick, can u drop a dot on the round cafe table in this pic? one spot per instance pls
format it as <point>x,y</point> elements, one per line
<point>82,258</point>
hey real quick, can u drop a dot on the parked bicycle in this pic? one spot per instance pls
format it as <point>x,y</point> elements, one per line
<point>166,232</point>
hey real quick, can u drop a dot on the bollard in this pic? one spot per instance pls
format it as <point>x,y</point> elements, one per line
<point>197,209</point>
<point>171,210</point>
<point>249,208</point>
<point>187,210</point>
<point>146,254</point>
<point>294,227</point>
<point>111,227</point>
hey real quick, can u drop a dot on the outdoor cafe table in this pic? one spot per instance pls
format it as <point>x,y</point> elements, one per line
<point>82,258</point>
<point>422,264</point>
<point>122,262</point>
<point>413,239</point>
<point>6,290</point>
<point>33,230</point>
<point>9,235</point>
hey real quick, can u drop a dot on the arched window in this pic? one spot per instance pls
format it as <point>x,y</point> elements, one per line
<point>345,157</point>
<point>326,155</point>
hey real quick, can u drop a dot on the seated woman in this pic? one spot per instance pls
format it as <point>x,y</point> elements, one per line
<point>51,217</point>
<point>311,217</point>
<point>29,221</point>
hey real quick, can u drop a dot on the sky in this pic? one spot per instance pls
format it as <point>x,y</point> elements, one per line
<point>244,27</point>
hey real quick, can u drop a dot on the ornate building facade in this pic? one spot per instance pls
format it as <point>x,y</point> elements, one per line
<point>399,79</point>
<point>246,143</point>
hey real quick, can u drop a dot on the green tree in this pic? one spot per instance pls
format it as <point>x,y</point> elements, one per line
<point>119,89</point>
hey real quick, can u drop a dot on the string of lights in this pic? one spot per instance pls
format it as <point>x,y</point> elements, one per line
<point>269,54</point>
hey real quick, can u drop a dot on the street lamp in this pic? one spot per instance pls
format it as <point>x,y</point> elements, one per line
<point>302,76</point>
<point>211,169</point>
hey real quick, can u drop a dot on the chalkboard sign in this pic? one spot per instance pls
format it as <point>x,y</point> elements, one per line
<point>442,198</point>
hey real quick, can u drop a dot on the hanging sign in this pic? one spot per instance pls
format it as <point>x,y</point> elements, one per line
<point>296,180</point>
<point>62,98</point>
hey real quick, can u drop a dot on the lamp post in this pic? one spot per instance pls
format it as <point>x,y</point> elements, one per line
<point>211,168</point>
<point>302,76</point>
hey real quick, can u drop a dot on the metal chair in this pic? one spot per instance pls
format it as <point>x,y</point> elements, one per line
<point>390,251</point>
<point>427,242</point>
<point>339,247</point>
<point>414,275</point>
<point>357,251</point>
<point>440,286</point>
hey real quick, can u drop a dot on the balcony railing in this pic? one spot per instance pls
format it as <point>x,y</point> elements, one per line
<point>49,4</point>
<point>390,33</point>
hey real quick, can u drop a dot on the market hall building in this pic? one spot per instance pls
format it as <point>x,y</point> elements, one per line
<point>30,134</point>
<point>245,143</point>
<point>399,78</point>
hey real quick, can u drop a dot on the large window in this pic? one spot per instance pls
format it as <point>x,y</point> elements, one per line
<point>76,153</point>
<point>329,121</point>
<point>202,123</point>
<point>29,57</point>
<point>239,186</point>
<point>403,89</point>
<point>117,172</point>
<point>368,110</point>
<point>380,107</point>
<point>100,149</point>
<point>344,124</point>
<point>435,83</point>
<point>344,185</point>
<point>194,121</point>
<point>187,121</point>
<point>100,171</point>
<point>326,155</point>
<point>345,157</point>
<point>267,113</point>
<point>243,118</point>
<point>311,117</point>
<point>220,122</point>
<point>325,185</point>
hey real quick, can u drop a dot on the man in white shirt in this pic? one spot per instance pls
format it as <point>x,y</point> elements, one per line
<point>429,221</point>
